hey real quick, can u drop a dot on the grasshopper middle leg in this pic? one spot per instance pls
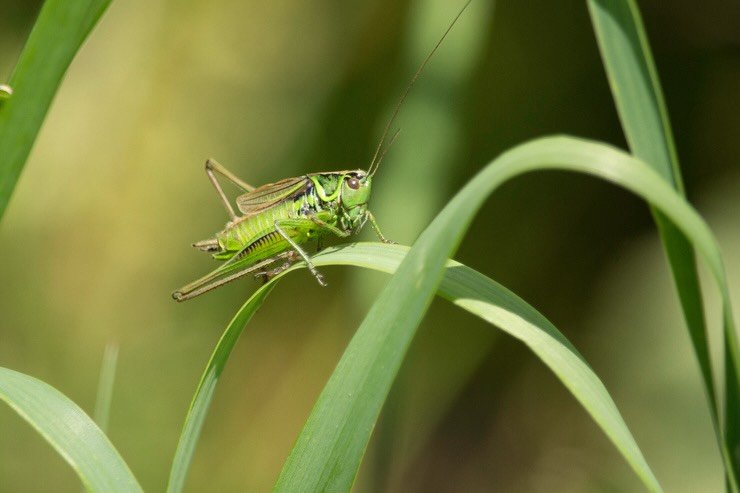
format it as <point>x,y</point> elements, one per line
<point>319,277</point>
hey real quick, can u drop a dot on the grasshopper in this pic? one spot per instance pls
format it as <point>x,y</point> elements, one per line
<point>277,218</point>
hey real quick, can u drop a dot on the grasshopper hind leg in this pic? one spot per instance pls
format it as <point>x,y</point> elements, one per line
<point>213,167</point>
<point>215,279</point>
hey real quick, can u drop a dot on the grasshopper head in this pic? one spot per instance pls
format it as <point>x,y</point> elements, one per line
<point>355,196</point>
<point>356,189</point>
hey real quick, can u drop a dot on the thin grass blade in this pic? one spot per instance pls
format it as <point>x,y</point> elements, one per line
<point>106,380</point>
<point>207,386</point>
<point>494,303</point>
<point>639,100</point>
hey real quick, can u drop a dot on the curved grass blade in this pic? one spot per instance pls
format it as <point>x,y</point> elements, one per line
<point>59,31</point>
<point>331,445</point>
<point>466,288</point>
<point>494,303</point>
<point>633,79</point>
<point>69,430</point>
<point>206,387</point>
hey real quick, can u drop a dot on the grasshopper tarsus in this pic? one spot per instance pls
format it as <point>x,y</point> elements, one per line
<point>263,276</point>
<point>318,275</point>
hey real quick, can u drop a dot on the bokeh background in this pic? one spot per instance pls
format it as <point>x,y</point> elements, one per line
<point>98,231</point>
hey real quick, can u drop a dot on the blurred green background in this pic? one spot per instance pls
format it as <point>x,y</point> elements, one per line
<point>98,231</point>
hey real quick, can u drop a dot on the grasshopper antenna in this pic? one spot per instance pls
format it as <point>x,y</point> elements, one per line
<point>385,151</point>
<point>378,157</point>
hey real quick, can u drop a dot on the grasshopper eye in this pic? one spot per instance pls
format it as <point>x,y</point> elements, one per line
<point>353,183</point>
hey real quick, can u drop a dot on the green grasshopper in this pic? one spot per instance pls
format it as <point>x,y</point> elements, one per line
<point>277,218</point>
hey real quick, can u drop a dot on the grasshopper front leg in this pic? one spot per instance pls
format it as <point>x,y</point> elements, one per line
<point>376,228</point>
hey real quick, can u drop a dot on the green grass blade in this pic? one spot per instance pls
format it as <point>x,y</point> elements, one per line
<point>481,296</point>
<point>206,387</point>
<point>634,82</point>
<point>636,89</point>
<point>466,288</point>
<point>331,445</point>
<point>69,430</point>
<point>59,31</point>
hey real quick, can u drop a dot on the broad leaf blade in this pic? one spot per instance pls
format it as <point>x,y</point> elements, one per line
<point>59,31</point>
<point>69,430</point>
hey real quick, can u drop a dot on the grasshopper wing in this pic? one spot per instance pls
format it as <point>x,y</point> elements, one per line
<point>266,196</point>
